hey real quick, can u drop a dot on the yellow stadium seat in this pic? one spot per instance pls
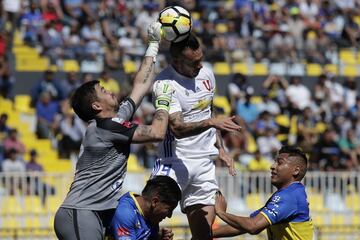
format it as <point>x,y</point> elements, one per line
<point>222,102</point>
<point>11,222</point>
<point>195,15</point>
<point>221,28</point>
<point>254,201</point>
<point>283,120</point>
<point>32,222</point>
<point>337,219</point>
<point>33,205</point>
<point>347,56</point>
<point>350,71</point>
<point>35,64</point>
<point>352,201</point>
<point>355,219</point>
<point>6,106</point>
<point>71,66</point>
<point>332,68</point>
<point>18,41</point>
<point>318,220</point>
<point>313,69</point>
<point>130,66</point>
<point>22,103</point>
<point>240,68</point>
<point>11,205</point>
<point>316,201</point>
<point>256,99</point>
<point>221,68</point>
<point>24,50</point>
<point>52,203</point>
<point>260,69</point>
<point>251,146</point>
<point>133,164</point>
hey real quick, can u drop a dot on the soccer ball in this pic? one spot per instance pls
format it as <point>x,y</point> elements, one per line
<point>176,23</point>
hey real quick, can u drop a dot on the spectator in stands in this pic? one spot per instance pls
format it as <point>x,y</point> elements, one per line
<point>307,133</point>
<point>237,89</point>
<point>109,83</point>
<point>47,113</point>
<point>71,130</point>
<point>4,128</point>
<point>354,110</point>
<point>276,87</point>
<point>73,44</point>
<point>31,23</point>
<point>326,153</point>
<point>48,84</point>
<point>35,186</point>
<point>286,213</point>
<point>13,163</point>
<point>247,110</point>
<point>258,163</point>
<point>265,121</point>
<point>350,147</point>
<point>86,77</point>
<point>32,165</point>
<point>350,92</point>
<point>91,33</point>
<point>69,84</point>
<point>14,142</point>
<point>147,15</point>
<point>267,104</point>
<point>299,96</point>
<point>7,82</point>
<point>268,144</point>
<point>53,43</point>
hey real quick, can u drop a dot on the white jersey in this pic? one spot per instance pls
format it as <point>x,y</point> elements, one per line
<point>193,98</point>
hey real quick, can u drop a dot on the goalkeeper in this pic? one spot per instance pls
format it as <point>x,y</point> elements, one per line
<point>100,170</point>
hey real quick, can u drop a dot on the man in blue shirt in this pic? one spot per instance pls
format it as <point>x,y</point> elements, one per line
<point>286,214</point>
<point>138,216</point>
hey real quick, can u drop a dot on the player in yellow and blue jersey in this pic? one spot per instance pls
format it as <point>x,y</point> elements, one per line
<point>138,216</point>
<point>286,214</point>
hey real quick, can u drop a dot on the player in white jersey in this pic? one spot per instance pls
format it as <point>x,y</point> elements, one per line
<point>193,138</point>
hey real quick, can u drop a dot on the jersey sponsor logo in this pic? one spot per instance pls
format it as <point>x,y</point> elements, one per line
<point>207,84</point>
<point>117,185</point>
<point>122,232</point>
<point>202,104</point>
<point>126,124</point>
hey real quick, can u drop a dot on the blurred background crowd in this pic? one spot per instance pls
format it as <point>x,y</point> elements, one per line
<point>323,118</point>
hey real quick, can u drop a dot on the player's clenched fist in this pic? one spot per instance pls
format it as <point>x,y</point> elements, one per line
<point>154,37</point>
<point>163,91</point>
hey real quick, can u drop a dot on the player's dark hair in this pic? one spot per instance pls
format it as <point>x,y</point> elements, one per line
<point>165,188</point>
<point>82,99</point>
<point>299,155</point>
<point>177,48</point>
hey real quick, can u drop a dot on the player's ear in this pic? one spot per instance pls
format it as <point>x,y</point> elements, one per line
<point>155,201</point>
<point>296,171</point>
<point>96,106</point>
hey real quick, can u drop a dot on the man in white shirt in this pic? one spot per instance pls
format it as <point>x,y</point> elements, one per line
<point>192,140</point>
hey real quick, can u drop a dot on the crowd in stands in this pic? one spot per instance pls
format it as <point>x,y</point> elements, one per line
<point>324,120</point>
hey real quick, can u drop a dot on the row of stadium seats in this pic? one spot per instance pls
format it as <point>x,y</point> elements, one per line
<point>28,59</point>
<point>47,156</point>
<point>14,205</point>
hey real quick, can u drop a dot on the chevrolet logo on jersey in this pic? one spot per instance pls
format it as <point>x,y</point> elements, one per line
<point>202,104</point>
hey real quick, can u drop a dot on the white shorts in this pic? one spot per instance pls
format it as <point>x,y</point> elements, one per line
<point>196,179</point>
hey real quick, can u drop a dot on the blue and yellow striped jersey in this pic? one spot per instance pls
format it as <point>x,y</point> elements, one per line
<point>287,211</point>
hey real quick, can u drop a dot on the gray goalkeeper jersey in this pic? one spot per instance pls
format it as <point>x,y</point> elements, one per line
<point>102,163</point>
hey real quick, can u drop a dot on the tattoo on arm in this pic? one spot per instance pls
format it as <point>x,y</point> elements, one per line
<point>143,130</point>
<point>182,129</point>
<point>148,72</point>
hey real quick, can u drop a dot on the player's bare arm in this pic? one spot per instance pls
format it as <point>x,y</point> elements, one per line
<point>145,76</point>
<point>252,225</point>
<point>143,80</point>
<point>223,155</point>
<point>154,132</point>
<point>183,129</point>
<point>226,231</point>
